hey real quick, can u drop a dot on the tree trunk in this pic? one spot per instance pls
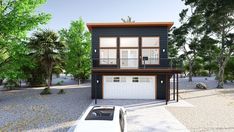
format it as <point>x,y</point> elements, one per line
<point>49,76</point>
<point>221,62</point>
<point>223,59</point>
<point>185,73</point>
<point>190,71</point>
<point>209,69</point>
<point>222,66</point>
<point>78,81</point>
<point>220,76</point>
<point>209,73</point>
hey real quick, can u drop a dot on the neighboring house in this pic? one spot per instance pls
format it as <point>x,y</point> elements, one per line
<point>130,61</point>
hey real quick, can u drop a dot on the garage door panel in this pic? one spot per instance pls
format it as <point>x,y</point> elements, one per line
<point>129,89</point>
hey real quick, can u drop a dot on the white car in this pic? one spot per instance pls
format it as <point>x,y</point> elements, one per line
<point>102,119</point>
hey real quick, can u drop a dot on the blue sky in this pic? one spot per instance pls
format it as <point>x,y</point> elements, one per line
<point>64,11</point>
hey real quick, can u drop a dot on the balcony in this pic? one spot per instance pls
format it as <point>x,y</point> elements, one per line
<point>148,65</point>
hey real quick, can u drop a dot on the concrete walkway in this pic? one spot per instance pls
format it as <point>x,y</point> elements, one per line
<point>152,119</point>
<point>149,115</point>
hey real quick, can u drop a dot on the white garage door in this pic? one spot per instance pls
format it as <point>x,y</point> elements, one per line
<point>129,87</point>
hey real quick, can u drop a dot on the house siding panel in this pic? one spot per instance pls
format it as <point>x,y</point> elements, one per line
<point>96,86</point>
<point>161,91</point>
<point>162,32</point>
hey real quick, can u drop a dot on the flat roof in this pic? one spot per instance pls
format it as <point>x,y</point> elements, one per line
<point>129,24</point>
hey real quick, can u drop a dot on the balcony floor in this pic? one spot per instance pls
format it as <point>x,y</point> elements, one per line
<point>137,71</point>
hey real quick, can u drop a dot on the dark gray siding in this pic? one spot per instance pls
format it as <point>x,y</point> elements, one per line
<point>161,87</point>
<point>96,86</point>
<point>162,32</point>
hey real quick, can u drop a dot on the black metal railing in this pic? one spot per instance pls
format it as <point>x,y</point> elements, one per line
<point>137,63</point>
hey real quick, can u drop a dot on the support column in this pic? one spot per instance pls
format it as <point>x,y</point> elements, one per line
<point>96,83</point>
<point>177,87</point>
<point>173,86</point>
<point>166,89</point>
<point>118,53</point>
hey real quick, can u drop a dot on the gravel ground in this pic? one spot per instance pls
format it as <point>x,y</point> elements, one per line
<point>213,108</point>
<point>27,110</point>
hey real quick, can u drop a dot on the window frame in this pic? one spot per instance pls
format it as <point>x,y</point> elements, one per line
<point>129,47</point>
<point>157,48</point>
<point>150,37</point>
<point>115,48</point>
<point>137,48</point>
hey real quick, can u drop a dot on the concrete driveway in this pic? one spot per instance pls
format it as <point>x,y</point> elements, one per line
<point>149,115</point>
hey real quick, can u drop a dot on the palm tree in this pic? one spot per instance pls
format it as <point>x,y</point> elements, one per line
<point>47,47</point>
<point>127,20</point>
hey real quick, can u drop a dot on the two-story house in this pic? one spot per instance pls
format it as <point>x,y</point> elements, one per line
<point>130,61</point>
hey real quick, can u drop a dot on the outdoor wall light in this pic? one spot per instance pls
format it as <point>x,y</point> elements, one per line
<point>161,81</point>
<point>164,50</point>
<point>97,81</point>
<point>95,50</point>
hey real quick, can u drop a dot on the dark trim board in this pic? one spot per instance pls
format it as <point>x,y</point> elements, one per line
<point>147,71</point>
<point>134,24</point>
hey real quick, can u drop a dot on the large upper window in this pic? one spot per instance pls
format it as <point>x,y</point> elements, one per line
<point>108,42</point>
<point>150,50</point>
<point>129,52</point>
<point>129,42</point>
<point>108,50</point>
<point>150,41</point>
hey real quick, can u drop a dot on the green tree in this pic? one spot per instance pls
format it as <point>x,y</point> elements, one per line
<point>173,50</point>
<point>229,70</point>
<point>197,67</point>
<point>77,58</point>
<point>209,52</point>
<point>217,17</point>
<point>127,20</point>
<point>172,47</point>
<point>187,37</point>
<point>17,17</point>
<point>16,59</point>
<point>47,47</point>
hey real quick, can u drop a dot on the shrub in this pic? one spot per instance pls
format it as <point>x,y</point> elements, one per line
<point>203,73</point>
<point>11,84</point>
<point>61,91</point>
<point>229,70</point>
<point>45,91</point>
<point>60,82</point>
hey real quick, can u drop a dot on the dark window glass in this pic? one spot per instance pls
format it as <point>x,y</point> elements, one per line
<point>135,79</point>
<point>116,79</point>
<point>101,113</point>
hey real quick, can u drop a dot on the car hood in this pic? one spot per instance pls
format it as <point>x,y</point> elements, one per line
<point>98,126</point>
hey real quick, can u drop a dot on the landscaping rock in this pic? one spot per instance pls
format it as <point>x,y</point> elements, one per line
<point>201,85</point>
